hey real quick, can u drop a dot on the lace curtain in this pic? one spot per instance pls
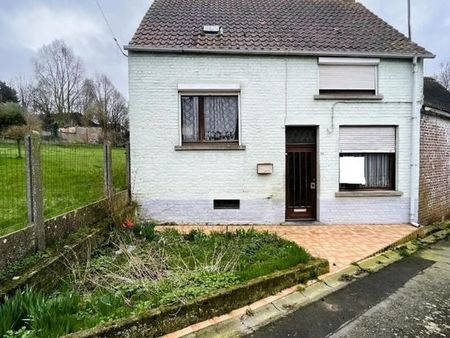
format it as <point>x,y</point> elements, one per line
<point>189,108</point>
<point>221,118</point>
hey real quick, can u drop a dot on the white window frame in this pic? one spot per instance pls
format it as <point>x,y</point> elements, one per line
<point>212,89</point>
<point>396,156</point>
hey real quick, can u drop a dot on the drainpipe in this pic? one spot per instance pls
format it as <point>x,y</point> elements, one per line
<point>415,148</point>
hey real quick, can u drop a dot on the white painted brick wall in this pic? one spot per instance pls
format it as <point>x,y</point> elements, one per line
<point>180,186</point>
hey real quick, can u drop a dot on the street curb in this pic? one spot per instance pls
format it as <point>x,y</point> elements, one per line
<point>322,287</point>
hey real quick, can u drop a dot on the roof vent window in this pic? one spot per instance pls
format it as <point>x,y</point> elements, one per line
<point>215,29</point>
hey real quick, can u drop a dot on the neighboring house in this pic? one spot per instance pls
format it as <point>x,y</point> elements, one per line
<point>435,153</point>
<point>81,134</point>
<point>263,111</point>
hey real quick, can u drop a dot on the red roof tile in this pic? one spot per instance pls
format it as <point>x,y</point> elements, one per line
<point>294,26</point>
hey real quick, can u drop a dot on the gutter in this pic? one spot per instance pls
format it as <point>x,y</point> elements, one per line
<point>181,50</point>
<point>415,150</point>
<point>427,110</point>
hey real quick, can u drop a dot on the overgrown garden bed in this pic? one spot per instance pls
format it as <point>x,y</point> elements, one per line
<point>140,270</point>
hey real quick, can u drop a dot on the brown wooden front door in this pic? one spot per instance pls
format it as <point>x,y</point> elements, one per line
<point>301,182</point>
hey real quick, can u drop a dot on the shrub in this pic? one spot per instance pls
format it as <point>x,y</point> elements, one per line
<point>145,230</point>
<point>11,114</point>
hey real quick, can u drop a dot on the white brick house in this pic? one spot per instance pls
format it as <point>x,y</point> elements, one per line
<point>237,124</point>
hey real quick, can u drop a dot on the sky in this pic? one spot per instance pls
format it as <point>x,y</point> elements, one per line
<point>25,25</point>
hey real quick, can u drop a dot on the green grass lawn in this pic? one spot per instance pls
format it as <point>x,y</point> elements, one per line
<point>72,174</point>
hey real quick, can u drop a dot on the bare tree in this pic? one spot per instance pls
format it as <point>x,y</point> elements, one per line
<point>59,78</point>
<point>24,89</point>
<point>107,107</point>
<point>444,75</point>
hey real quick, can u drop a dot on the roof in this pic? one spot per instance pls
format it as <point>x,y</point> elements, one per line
<point>435,95</point>
<point>303,27</point>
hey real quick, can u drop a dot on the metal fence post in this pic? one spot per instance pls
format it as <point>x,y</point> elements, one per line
<point>128,168</point>
<point>35,199</point>
<point>107,169</point>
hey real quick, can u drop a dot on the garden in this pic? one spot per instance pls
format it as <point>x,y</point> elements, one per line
<point>139,268</point>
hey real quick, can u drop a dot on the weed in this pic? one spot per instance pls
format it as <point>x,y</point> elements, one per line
<point>403,251</point>
<point>141,269</point>
<point>249,312</point>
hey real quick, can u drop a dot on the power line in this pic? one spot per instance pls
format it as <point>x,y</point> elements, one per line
<point>110,28</point>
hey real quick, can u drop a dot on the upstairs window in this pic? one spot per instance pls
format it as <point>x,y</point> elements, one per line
<point>209,118</point>
<point>348,76</point>
<point>367,158</point>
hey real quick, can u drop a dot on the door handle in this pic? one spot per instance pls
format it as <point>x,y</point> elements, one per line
<point>313,185</point>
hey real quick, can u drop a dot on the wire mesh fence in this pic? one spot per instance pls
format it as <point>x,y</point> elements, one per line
<point>72,176</point>
<point>13,203</point>
<point>119,177</point>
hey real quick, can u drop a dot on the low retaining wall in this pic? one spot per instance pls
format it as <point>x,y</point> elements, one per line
<point>21,243</point>
<point>157,322</point>
<point>46,275</point>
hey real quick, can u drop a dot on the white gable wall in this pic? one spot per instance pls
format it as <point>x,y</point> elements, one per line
<point>180,186</point>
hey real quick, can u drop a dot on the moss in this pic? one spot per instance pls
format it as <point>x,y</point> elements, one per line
<point>45,269</point>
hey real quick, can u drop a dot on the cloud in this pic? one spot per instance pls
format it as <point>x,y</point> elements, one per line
<point>430,21</point>
<point>25,25</point>
<point>40,24</point>
<point>29,25</point>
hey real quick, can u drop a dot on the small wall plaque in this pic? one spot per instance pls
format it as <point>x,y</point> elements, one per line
<point>264,168</point>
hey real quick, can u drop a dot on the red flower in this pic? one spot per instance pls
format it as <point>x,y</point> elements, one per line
<point>128,223</point>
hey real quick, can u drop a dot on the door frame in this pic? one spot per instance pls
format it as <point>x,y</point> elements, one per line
<point>314,171</point>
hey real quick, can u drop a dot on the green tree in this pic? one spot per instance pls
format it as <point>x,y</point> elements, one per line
<point>7,94</point>
<point>11,114</point>
<point>18,132</point>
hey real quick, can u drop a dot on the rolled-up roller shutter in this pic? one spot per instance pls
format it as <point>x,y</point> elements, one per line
<point>347,77</point>
<point>378,139</point>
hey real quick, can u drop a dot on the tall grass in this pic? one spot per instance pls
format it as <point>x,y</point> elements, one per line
<point>34,311</point>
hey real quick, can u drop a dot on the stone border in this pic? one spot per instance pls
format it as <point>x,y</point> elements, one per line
<point>47,273</point>
<point>164,320</point>
<point>21,243</point>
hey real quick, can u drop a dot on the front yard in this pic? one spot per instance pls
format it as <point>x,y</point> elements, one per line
<point>139,269</point>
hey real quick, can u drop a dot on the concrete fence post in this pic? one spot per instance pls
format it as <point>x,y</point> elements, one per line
<point>128,169</point>
<point>107,170</point>
<point>35,198</point>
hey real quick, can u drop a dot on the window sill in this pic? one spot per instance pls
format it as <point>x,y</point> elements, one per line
<point>370,193</point>
<point>223,146</point>
<point>348,97</point>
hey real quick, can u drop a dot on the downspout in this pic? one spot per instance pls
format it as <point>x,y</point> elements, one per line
<point>415,148</point>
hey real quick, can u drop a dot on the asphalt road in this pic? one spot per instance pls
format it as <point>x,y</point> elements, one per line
<point>410,298</point>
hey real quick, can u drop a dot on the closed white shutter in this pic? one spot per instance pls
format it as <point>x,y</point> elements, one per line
<point>367,139</point>
<point>347,77</point>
